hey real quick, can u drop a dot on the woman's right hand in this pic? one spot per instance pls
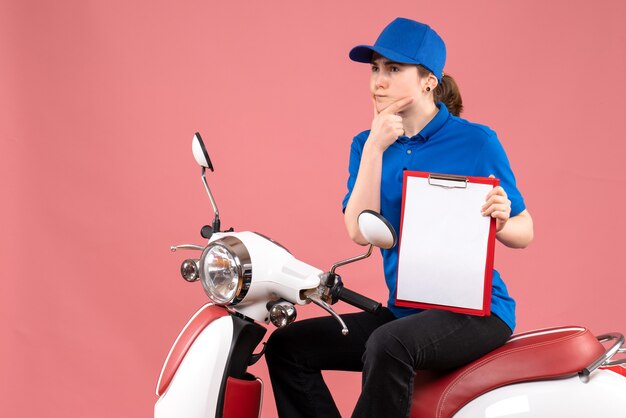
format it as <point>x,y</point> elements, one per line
<point>387,124</point>
<point>386,128</point>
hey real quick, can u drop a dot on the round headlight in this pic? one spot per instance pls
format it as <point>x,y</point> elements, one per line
<point>225,271</point>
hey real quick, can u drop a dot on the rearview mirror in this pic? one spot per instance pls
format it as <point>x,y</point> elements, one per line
<point>200,153</point>
<point>377,230</point>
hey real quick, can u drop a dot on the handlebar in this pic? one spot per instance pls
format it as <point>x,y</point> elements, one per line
<point>358,300</point>
<point>322,299</point>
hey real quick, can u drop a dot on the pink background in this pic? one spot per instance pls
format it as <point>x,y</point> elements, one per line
<point>98,104</point>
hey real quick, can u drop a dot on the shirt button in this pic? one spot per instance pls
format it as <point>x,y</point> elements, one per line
<point>408,151</point>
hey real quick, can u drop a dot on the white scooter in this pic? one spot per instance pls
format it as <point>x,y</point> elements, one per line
<point>250,279</point>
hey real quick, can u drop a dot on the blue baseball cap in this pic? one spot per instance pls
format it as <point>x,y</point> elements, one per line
<point>407,42</point>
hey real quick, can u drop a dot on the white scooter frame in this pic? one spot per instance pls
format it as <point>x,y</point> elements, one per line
<point>559,372</point>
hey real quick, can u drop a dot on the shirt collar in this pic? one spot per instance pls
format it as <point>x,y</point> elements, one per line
<point>431,127</point>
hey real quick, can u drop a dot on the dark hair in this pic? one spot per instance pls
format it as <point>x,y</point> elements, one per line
<point>447,91</point>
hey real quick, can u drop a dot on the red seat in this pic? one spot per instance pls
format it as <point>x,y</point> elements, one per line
<point>543,354</point>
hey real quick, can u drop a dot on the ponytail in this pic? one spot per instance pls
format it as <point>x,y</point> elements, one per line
<point>447,92</point>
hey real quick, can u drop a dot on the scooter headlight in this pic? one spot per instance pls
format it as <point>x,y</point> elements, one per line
<point>226,270</point>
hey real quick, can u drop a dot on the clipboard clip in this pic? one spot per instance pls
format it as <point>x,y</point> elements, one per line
<point>447,181</point>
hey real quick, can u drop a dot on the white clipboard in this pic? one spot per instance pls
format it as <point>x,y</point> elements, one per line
<point>446,245</point>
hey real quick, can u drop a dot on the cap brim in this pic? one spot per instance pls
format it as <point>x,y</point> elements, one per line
<point>363,53</point>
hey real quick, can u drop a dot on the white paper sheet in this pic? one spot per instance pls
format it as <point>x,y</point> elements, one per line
<point>444,241</point>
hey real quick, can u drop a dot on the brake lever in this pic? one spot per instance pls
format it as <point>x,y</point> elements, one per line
<point>173,248</point>
<point>315,298</point>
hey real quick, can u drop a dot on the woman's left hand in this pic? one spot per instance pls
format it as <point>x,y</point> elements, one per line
<point>497,206</point>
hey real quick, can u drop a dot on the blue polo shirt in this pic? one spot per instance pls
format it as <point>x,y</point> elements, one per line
<point>449,145</point>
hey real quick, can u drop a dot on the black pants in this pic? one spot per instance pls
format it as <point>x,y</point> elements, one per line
<point>389,351</point>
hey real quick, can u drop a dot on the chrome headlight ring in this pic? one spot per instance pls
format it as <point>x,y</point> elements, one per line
<point>226,270</point>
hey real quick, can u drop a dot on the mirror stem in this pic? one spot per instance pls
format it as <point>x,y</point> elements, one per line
<point>216,221</point>
<point>351,260</point>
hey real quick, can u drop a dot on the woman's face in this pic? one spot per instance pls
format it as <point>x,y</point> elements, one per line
<point>391,81</point>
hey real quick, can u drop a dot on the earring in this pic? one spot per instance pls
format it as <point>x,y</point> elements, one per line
<point>427,88</point>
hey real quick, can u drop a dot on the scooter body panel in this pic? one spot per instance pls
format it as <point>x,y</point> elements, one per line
<point>603,396</point>
<point>243,398</point>
<point>195,388</point>
<point>276,273</point>
<point>204,316</point>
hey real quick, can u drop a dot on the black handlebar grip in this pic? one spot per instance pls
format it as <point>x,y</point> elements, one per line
<point>358,300</point>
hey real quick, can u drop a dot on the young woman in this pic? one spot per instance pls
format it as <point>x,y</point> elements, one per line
<point>415,127</point>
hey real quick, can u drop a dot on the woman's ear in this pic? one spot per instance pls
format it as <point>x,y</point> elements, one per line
<point>432,82</point>
<point>429,83</point>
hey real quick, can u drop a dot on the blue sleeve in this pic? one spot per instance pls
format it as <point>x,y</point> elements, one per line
<point>493,160</point>
<point>353,168</point>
